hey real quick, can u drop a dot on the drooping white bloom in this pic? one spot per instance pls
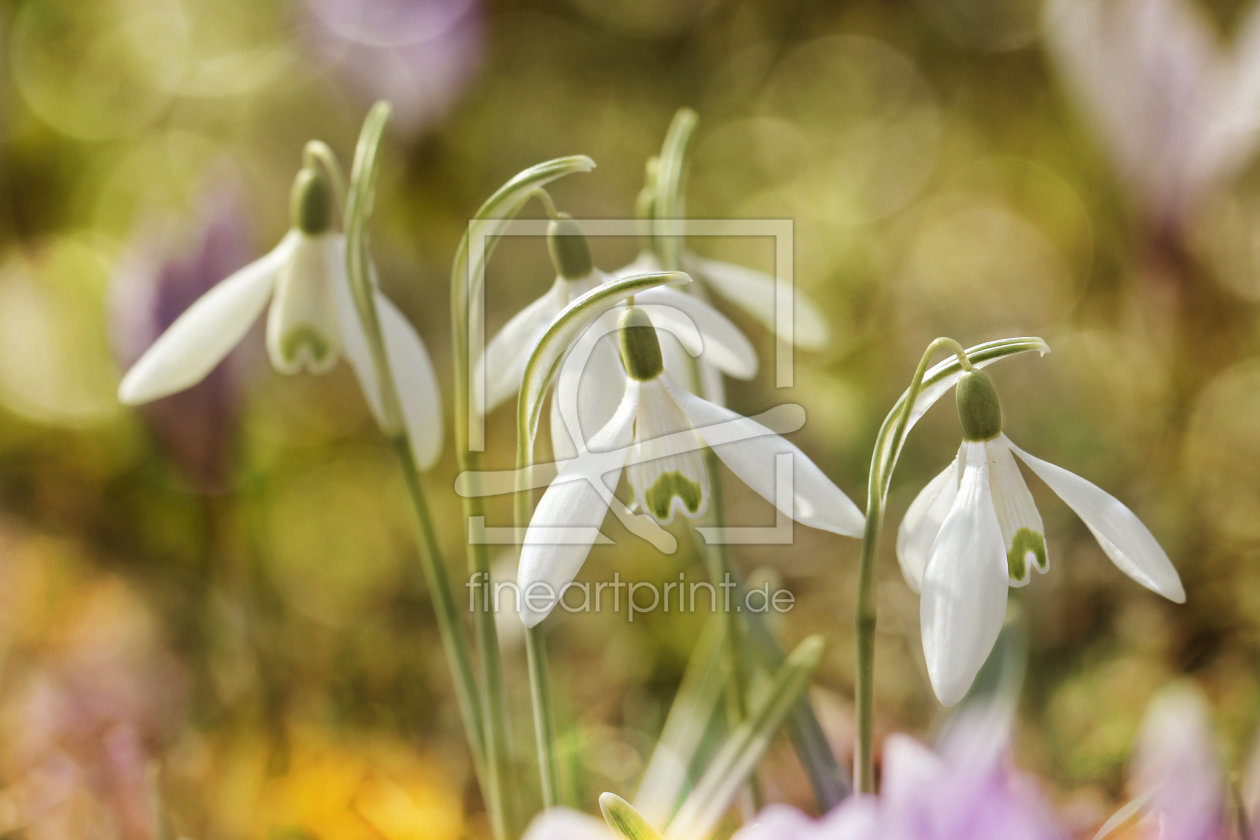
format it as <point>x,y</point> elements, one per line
<point>312,322</point>
<point>656,436</point>
<point>974,531</point>
<point>591,382</point>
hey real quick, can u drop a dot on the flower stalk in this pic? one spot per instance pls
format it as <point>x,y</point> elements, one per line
<point>927,386</point>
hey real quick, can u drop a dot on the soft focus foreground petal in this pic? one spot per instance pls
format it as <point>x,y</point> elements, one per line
<point>1121,534</point>
<point>856,818</point>
<point>551,558</point>
<point>815,501</point>
<point>419,395</point>
<point>200,338</point>
<point>1176,763</point>
<point>498,374</point>
<point>566,824</point>
<point>755,293</point>
<point>963,601</point>
<point>923,520</point>
<point>1016,513</point>
<point>910,770</point>
<point>666,467</point>
<point>354,343</point>
<point>722,343</point>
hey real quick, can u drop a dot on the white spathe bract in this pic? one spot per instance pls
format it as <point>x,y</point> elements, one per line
<point>974,531</point>
<point>656,436</point>
<point>312,323</point>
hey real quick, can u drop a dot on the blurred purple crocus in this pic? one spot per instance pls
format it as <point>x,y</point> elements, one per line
<point>1177,113</point>
<point>160,278</point>
<point>964,790</point>
<point>1177,780</point>
<point>416,54</point>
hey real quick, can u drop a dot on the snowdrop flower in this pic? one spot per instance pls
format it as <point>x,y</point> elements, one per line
<point>656,436</point>
<point>591,381</point>
<point>312,321</point>
<point>974,531</point>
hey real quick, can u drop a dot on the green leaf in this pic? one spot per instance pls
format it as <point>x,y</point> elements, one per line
<point>623,819</point>
<point>713,794</point>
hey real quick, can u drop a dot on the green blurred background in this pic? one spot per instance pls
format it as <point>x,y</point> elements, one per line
<point>220,584</point>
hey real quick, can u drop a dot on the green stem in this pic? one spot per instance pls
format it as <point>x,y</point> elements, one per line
<point>536,656</point>
<point>544,720</point>
<point>454,636</point>
<point>882,463</point>
<point>718,563</point>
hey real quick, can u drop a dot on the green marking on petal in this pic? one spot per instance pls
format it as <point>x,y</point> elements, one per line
<point>660,496</point>
<point>299,337</point>
<point>1026,540</point>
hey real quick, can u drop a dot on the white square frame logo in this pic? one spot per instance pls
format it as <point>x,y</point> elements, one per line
<point>780,231</point>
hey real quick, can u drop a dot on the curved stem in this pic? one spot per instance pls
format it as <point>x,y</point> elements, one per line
<point>544,198</point>
<point>317,152</point>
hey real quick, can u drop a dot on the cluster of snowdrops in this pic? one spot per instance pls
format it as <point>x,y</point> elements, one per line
<point>630,364</point>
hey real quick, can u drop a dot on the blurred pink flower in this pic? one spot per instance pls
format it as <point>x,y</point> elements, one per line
<point>162,275</point>
<point>417,54</point>
<point>1176,778</point>
<point>965,790</point>
<point>1177,112</point>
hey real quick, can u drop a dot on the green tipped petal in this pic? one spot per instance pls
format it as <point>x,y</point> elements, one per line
<point>673,485</point>
<point>1026,541</point>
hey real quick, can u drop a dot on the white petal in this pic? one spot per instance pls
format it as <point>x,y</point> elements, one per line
<point>200,338</point>
<point>561,823</point>
<point>588,389</point>
<point>416,382</point>
<point>815,500</point>
<point>551,557</point>
<point>1017,514</point>
<point>1121,534</point>
<point>923,521</point>
<point>666,467</point>
<point>501,368</point>
<point>721,342</point>
<point>963,603</point>
<point>303,330</point>
<point>354,342</point>
<point>756,292</point>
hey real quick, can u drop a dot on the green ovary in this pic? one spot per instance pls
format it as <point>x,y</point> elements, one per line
<point>659,497</point>
<point>1026,540</point>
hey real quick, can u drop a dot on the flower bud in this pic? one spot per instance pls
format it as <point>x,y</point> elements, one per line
<point>978,408</point>
<point>569,252</point>
<point>311,202</point>
<point>640,349</point>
